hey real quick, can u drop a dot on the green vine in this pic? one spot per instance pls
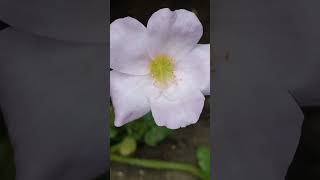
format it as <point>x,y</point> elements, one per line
<point>160,165</point>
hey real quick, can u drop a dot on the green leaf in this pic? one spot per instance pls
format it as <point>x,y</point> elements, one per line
<point>128,146</point>
<point>155,135</point>
<point>148,118</point>
<point>142,130</point>
<point>203,156</point>
<point>136,129</point>
<point>113,133</point>
<point>139,127</point>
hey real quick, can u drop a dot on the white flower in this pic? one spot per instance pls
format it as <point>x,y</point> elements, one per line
<point>159,68</point>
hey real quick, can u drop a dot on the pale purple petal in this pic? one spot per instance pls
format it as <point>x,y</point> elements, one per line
<point>128,47</point>
<point>178,106</point>
<point>196,65</point>
<point>173,33</point>
<point>128,97</point>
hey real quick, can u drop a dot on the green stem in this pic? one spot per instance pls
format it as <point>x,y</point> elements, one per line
<point>157,164</point>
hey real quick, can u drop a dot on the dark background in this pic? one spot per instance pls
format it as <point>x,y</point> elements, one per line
<point>7,169</point>
<point>274,52</point>
<point>7,164</point>
<point>306,163</point>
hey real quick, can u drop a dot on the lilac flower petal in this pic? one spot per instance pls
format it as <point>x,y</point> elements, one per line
<point>173,33</point>
<point>127,96</point>
<point>179,106</point>
<point>134,92</point>
<point>128,48</point>
<point>197,66</point>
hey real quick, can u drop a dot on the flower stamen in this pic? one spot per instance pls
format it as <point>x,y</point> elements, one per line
<point>162,70</point>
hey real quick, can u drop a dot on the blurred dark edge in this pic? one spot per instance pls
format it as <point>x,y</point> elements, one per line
<point>7,164</point>
<point>3,25</point>
<point>306,162</point>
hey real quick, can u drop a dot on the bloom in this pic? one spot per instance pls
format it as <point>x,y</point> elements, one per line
<point>159,68</point>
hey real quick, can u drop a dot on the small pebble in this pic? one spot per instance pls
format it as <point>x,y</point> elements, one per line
<point>141,172</point>
<point>120,174</point>
<point>173,147</point>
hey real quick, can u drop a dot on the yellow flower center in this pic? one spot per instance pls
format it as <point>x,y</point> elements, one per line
<point>162,70</point>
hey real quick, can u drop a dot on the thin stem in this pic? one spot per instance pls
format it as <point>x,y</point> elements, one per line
<point>157,164</point>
